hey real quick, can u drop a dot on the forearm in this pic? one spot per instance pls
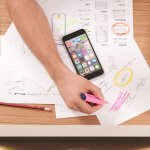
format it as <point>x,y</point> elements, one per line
<point>33,26</point>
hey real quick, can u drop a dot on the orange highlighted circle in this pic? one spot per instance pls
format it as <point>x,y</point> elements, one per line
<point>120,28</point>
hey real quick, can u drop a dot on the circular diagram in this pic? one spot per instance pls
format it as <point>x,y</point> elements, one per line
<point>120,28</point>
<point>123,77</point>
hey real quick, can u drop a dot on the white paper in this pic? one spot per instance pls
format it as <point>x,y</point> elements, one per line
<point>0,43</point>
<point>134,92</point>
<point>19,87</point>
<point>17,58</point>
<point>109,23</point>
<point>126,88</point>
<point>94,16</point>
<point>23,78</point>
<point>62,111</point>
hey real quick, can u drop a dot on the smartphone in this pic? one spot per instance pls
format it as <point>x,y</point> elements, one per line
<point>82,54</point>
<point>58,27</point>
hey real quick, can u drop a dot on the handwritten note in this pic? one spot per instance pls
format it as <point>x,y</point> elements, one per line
<point>128,95</point>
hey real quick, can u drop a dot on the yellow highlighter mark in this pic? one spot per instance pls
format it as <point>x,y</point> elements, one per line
<point>68,24</point>
<point>123,77</point>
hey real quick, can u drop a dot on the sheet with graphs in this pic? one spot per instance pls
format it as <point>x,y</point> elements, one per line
<point>90,15</point>
<point>109,24</point>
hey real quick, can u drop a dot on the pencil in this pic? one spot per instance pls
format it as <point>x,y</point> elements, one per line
<point>26,106</point>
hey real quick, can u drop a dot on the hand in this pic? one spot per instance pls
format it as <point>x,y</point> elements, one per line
<point>70,88</point>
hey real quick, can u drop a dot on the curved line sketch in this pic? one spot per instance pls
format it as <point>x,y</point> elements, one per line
<point>120,28</point>
<point>24,86</point>
<point>123,77</point>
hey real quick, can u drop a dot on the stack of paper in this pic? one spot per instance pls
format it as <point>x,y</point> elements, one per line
<point>109,24</point>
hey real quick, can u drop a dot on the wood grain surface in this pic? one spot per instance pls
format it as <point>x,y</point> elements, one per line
<point>9,115</point>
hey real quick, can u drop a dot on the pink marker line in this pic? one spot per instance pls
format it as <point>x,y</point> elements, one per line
<point>118,98</point>
<point>120,101</point>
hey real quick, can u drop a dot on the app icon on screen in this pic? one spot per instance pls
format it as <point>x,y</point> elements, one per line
<point>81,72</point>
<point>81,59</point>
<point>68,44</point>
<point>89,50</point>
<point>78,39</point>
<point>79,54</point>
<point>89,63</point>
<point>97,66</point>
<point>84,52</point>
<point>91,68</point>
<point>74,56</point>
<point>84,64</point>
<point>87,70</point>
<point>76,61</point>
<point>94,60</point>
<point>71,49</point>
<point>79,66</point>
<point>81,46</point>
<point>77,47</point>
<point>86,44</point>
<point>91,55</point>
<point>86,57</point>
<point>83,37</point>
<point>74,41</point>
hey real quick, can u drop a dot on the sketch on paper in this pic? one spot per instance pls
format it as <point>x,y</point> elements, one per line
<point>58,27</point>
<point>123,77</point>
<point>23,87</point>
<point>140,83</point>
<point>54,90</point>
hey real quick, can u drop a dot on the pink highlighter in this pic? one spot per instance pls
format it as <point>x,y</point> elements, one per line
<point>92,99</point>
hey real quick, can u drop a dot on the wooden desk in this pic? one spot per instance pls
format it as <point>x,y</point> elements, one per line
<point>22,116</point>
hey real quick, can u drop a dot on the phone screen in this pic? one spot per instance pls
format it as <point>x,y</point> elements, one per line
<point>83,56</point>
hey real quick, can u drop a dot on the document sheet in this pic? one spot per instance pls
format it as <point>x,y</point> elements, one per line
<point>109,25</point>
<point>125,86</point>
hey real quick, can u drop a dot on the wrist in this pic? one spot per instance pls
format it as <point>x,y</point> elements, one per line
<point>59,73</point>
